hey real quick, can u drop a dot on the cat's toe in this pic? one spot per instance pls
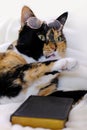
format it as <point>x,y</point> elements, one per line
<point>71,63</point>
<point>65,64</point>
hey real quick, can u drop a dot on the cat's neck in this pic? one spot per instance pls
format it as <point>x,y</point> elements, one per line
<point>34,52</point>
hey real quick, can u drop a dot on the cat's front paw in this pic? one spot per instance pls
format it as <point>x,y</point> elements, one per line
<point>71,64</point>
<point>65,64</point>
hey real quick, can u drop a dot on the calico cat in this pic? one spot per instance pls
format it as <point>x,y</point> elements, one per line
<point>40,42</point>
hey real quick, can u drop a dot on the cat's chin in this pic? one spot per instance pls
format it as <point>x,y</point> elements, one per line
<point>53,56</point>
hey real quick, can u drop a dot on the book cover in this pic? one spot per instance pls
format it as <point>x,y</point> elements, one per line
<point>43,111</point>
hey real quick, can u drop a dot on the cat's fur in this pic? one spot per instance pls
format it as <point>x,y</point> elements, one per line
<point>16,75</point>
<point>36,39</point>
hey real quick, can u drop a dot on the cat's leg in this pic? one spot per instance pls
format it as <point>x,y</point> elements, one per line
<point>52,85</point>
<point>48,87</point>
<point>36,70</point>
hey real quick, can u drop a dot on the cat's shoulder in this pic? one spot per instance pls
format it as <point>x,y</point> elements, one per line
<point>11,46</point>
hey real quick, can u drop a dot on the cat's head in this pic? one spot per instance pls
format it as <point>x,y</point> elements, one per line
<point>37,38</point>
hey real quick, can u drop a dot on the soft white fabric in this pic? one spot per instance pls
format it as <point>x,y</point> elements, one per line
<point>76,33</point>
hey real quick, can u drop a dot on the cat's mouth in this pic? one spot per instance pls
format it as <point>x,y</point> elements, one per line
<point>51,55</point>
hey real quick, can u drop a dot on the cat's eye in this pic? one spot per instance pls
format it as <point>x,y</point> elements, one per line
<point>42,37</point>
<point>60,38</point>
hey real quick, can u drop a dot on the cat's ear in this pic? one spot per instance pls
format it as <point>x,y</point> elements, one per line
<point>25,14</point>
<point>62,18</point>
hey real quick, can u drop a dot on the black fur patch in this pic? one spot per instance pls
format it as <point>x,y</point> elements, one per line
<point>29,44</point>
<point>53,72</point>
<point>7,85</point>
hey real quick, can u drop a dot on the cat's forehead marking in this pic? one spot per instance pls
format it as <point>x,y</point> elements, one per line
<point>54,32</point>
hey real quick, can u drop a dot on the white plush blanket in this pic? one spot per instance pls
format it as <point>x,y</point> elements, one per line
<point>76,34</point>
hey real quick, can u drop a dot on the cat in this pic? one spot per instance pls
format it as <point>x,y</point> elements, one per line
<point>17,75</point>
<point>40,42</point>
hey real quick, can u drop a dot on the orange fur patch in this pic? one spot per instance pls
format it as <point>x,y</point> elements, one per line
<point>10,59</point>
<point>61,48</point>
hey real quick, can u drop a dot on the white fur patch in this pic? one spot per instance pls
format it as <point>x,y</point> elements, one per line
<point>65,64</point>
<point>5,100</point>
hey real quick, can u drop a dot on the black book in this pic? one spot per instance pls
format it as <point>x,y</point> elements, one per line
<point>43,111</point>
<point>75,94</point>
